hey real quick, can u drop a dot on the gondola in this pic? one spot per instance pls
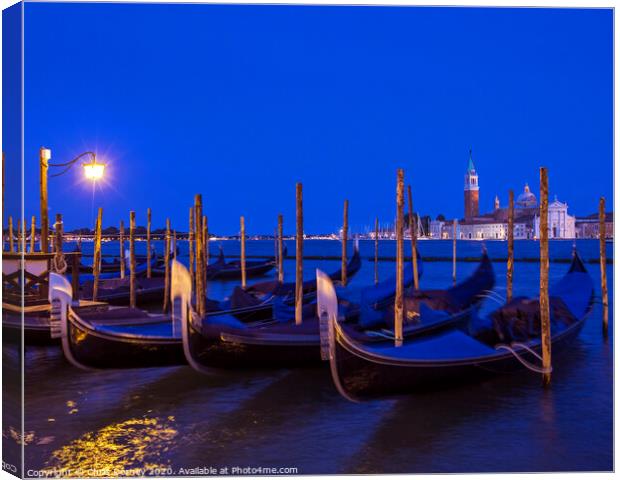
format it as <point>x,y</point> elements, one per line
<point>108,266</point>
<point>123,337</point>
<point>256,302</point>
<point>36,326</point>
<point>222,270</point>
<point>504,341</point>
<point>141,270</point>
<point>118,338</point>
<point>115,291</point>
<point>149,291</point>
<point>114,266</point>
<point>225,342</point>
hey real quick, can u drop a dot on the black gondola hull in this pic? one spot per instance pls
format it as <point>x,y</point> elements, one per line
<point>213,351</point>
<point>144,298</point>
<point>102,350</point>
<point>36,332</point>
<point>364,380</point>
<point>235,273</point>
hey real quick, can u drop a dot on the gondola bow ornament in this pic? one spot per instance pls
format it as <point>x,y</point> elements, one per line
<point>60,296</point>
<point>327,309</point>
<point>181,288</point>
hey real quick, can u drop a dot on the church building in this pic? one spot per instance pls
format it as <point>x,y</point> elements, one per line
<point>494,225</point>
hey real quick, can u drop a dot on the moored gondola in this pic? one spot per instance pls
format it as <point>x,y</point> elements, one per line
<point>117,338</point>
<point>115,291</point>
<point>506,340</point>
<point>141,270</point>
<point>222,270</point>
<point>223,341</point>
<point>256,302</point>
<point>36,326</point>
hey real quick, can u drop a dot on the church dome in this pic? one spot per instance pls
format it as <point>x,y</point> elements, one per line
<point>527,199</point>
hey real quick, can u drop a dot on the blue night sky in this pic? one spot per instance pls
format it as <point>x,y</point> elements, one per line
<point>240,102</point>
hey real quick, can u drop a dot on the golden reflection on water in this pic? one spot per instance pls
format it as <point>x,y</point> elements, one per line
<point>121,449</point>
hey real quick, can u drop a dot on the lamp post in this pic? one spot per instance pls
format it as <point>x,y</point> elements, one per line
<point>92,171</point>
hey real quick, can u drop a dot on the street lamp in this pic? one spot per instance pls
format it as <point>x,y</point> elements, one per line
<point>92,171</point>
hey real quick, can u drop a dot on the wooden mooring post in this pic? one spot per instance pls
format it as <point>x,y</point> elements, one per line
<point>603,260</point>
<point>190,246</point>
<point>205,255</point>
<point>132,259</point>
<point>3,190</point>
<point>454,230</point>
<point>167,268</point>
<point>121,241</point>
<point>280,250</point>
<point>414,237</point>
<point>174,244</point>
<point>242,238</point>
<point>200,257</point>
<point>19,235</point>
<point>376,250</point>
<point>148,243</point>
<point>545,324</point>
<point>345,238</point>
<point>33,233</point>
<point>511,245</point>
<point>11,239</point>
<point>299,252</point>
<point>43,167</point>
<point>400,253</point>
<point>97,253</point>
<point>58,239</point>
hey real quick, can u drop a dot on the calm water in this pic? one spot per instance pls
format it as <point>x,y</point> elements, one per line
<point>175,418</point>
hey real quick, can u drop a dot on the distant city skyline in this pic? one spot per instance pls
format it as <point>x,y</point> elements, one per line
<point>240,102</point>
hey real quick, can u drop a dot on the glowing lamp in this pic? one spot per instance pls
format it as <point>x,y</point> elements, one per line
<point>93,171</point>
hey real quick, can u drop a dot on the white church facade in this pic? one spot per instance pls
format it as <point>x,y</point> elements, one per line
<point>560,223</point>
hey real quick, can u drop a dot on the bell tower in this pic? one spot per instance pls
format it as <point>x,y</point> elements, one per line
<point>471,190</point>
